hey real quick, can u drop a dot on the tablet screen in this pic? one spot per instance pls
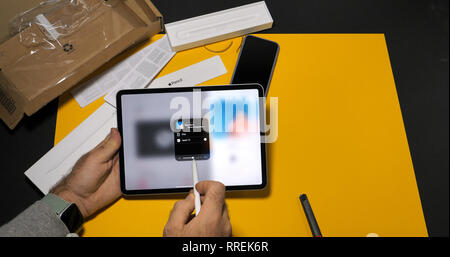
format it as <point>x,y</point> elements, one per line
<point>162,129</point>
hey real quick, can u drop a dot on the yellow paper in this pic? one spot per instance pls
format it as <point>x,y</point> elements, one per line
<point>341,140</point>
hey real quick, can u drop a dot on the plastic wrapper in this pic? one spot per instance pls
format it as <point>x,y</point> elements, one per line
<point>45,33</point>
<point>75,13</point>
<point>56,44</point>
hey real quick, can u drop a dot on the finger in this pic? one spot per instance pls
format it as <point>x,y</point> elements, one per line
<point>109,190</point>
<point>110,164</point>
<point>226,221</point>
<point>225,214</point>
<point>101,144</point>
<point>108,147</point>
<point>214,197</point>
<point>213,190</point>
<point>182,211</point>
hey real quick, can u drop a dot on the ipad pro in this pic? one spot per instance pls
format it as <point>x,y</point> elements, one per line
<point>163,129</point>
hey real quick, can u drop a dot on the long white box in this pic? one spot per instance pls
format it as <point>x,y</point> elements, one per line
<point>58,162</point>
<point>218,26</point>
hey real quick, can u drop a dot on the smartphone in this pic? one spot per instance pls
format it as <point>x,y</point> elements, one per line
<point>256,62</point>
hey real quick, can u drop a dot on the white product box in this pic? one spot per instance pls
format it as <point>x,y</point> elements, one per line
<point>218,26</point>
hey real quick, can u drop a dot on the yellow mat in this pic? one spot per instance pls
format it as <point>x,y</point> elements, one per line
<point>341,140</point>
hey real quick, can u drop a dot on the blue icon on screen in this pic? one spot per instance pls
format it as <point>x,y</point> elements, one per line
<point>179,124</point>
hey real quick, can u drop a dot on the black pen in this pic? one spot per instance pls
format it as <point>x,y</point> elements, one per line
<point>310,216</point>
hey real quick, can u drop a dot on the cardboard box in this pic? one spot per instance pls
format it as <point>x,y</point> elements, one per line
<point>9,9</point>
<point>46,59</point>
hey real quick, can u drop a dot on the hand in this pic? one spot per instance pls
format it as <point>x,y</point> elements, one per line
<point>94,180</point>
<point>212,220</point>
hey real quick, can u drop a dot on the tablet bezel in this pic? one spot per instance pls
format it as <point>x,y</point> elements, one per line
<point>188,89</point>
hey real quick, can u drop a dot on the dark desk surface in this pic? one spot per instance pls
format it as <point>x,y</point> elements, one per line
<point>417,39</point>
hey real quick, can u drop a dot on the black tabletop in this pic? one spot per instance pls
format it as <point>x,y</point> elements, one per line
<point>417,39</point>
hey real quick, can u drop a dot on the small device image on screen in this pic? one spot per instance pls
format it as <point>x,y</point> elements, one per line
<point>256,62</point>
<point>191,139</point>
<point>217,125</point>
<point>154,138</point>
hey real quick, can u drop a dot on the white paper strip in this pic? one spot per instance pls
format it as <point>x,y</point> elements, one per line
<point>192,75</point>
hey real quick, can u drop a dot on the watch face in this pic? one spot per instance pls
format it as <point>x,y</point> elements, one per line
<point>72,217</point>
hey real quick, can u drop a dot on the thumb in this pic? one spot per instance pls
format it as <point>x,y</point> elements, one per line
<point>106,150</point>
<point>182,210</point>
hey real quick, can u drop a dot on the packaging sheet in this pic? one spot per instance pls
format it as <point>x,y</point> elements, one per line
<point>156,56</point>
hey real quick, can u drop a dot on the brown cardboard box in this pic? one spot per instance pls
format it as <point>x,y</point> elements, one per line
<point>35,67</point>
<point>9,9</point>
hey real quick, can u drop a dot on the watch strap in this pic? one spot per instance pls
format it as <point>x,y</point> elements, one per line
<point>56,203</point>
<point>68,212</point>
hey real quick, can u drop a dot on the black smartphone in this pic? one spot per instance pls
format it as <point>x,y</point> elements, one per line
<point>256,62</point>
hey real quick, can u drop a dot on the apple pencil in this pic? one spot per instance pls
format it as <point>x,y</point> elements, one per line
<point>310,216</point>
<point>197,202</point>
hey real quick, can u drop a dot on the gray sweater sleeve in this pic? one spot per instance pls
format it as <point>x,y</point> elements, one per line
<point>37,220</point>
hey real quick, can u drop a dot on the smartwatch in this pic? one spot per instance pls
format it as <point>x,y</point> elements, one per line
<point>67,212</point>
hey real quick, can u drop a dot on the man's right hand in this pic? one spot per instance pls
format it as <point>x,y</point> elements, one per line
<point>212,220</point>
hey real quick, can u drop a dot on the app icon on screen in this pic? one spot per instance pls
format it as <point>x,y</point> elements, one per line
<point>179,124</point>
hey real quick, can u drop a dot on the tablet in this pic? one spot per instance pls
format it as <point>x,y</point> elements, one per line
<point>163,129</point>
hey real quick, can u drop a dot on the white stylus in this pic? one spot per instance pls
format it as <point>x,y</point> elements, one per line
<point>197,202</point>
